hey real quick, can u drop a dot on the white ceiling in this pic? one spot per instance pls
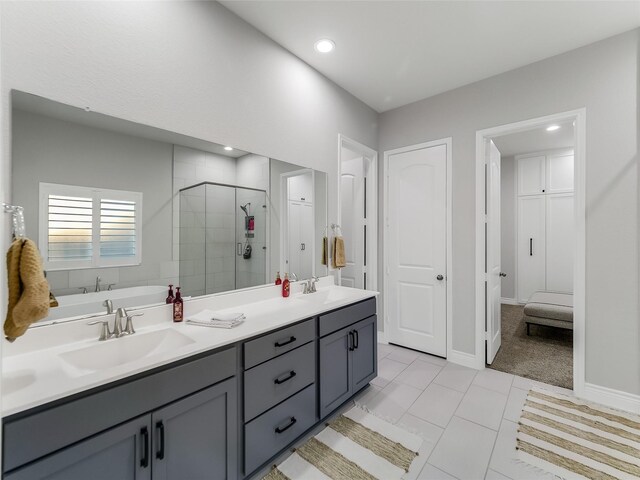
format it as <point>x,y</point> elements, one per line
<point>535,140</point>
<point>391,53</point>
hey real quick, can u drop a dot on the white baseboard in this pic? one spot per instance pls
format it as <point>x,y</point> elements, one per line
<point>463,358</point>
<point>382,338</point>
<point>509,301</point>
<point>612,398</point>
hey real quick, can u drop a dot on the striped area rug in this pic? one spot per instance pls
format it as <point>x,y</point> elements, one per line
<point>354,446</point>
<point>576,439</point>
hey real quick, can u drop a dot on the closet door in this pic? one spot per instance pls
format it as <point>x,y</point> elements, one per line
<point>531,246</point>
<point>560,173</point>
<point>560,241</point>
<point>531,175</point>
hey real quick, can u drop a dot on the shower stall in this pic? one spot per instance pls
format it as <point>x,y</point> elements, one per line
<point>223,231</point>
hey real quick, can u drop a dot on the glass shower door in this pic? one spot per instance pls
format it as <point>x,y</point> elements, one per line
<point>251,233</point>
<point>220,238</point>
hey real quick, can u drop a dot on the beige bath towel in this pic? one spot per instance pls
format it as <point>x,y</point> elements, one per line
<point>338,253</point>
<point>28,288</point>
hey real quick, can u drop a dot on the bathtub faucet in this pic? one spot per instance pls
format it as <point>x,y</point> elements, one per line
<point>98,284</point>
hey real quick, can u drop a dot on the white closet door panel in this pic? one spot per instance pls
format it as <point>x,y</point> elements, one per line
<point>560,241</point>
<point>560,173</point>
<point>531,175</point>
<point>531,246</point>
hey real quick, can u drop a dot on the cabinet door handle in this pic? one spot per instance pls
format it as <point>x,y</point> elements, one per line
<point>356,339</point>
<point>287,426</point>
<point>531,247</point>
<point>144,437</point>
<point>291,340</point>
<point>351,342</point>
<point>160,429</point>
<point>292,374</point>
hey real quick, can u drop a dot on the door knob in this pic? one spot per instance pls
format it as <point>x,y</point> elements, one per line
<point>440,277</point>
<point>502,274</point>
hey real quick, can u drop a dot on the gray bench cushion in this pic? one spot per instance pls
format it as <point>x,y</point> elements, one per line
<point>548,305</point>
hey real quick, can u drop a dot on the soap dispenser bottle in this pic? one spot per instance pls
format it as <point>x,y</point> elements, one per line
<point>170,295</point>
<point>177,307</point>
<point>278,279</point>
<point>286,286</point>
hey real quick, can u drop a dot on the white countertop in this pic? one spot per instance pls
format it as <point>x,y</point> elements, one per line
<point>34,372</point>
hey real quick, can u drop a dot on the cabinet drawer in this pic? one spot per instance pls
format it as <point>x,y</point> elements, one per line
<point>74,420</point>
<point>276,380</point>
<point>274,344</point>
<point>333,321</point>
<point>274,430</point>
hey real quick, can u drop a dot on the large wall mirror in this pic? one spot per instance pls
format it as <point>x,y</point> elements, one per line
<point>121,210</point>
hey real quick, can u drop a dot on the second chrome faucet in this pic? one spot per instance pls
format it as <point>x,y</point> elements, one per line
<point>118,330</point>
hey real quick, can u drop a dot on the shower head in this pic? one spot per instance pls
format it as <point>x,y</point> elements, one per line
<point>244,208</point>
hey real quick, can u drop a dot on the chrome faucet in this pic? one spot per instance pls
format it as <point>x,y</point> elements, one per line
<point>109,304</point>
<point>293,276</point>
<point>118,331</point>
<point>98,279</point>
<point>310,286</point>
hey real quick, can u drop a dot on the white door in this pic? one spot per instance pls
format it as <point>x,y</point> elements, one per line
<point>300,226</point>
<point>531,246</point>
<point>352,199</point>
<point>494,273</point>
<point>417,294</point>
<point>560,241</point>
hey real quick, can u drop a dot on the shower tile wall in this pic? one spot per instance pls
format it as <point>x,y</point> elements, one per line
<point>220,238</point>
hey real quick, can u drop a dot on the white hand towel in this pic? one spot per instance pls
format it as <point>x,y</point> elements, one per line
<point>215,323</point>
<point>209,315</point>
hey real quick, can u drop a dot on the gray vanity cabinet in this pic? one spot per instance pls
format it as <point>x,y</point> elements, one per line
<point>347,356</point>
<point>196,437</point>
<point>123,452</point>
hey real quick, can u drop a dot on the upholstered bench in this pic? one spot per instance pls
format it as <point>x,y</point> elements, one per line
<point>550,309</point>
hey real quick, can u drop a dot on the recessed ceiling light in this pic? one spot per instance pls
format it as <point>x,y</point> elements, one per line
<point>553,128</point>
<point>228,149</point>
<point>325,45</point>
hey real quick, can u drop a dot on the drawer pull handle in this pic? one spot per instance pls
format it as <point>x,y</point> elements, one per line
<point>291,340</point>
<point>292,374</point>
<point>351,341</point>
<point>356,339</point>
<point>288,426</point>
<point>160,452</point>
<point>144,458</point>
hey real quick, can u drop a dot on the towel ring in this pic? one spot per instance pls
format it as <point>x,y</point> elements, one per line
<point>17,213</point>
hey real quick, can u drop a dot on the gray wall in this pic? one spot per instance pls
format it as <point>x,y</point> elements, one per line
<point>55,151</point>
<point>603,77</point>
<point>508,225</point>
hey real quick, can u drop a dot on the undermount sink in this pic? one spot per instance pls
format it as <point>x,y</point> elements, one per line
<point>325,296</point>
<point>118,351</point>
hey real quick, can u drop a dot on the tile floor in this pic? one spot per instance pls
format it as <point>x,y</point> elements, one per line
<point>468,418</point>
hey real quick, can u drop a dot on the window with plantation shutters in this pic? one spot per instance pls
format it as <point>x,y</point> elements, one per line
<point>83,227</point>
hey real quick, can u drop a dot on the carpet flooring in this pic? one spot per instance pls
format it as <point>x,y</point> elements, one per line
<point>546,355</point>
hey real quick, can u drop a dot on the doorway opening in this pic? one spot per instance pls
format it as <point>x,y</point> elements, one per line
<point>358,214</point>
<point>531,242</point>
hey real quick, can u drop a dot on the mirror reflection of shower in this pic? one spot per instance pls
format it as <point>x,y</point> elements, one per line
<point>222,238</point>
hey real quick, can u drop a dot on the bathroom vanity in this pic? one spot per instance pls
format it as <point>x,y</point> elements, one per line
<point>202,403</point>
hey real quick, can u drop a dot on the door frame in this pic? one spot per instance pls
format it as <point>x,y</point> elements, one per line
<point>372,206</point>
<point>579,267</point>
<point>449,242</point>
<point>284,216</point>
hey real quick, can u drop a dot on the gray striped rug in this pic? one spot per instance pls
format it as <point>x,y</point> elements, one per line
<point>354,446</point>
<point>576,439</point>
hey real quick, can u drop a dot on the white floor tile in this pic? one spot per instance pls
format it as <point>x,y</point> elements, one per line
<point>365,397</point>
<point>456,377</point>
<point>429,472</point>
<point>403,355</point>
<point>515,404</point>
<point>436,404</point>
<point>384,349</point>
<point>482,406</point>
<point>419,374</point>
<point>430,435</point>
<point>526,384</point>
<point>493,475</point>
<point>504,459</point>
<point>387,371</point>
<point>464,450</point>
<point>425,357</point>
<point>494,380</point>
<point>393,401</point>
